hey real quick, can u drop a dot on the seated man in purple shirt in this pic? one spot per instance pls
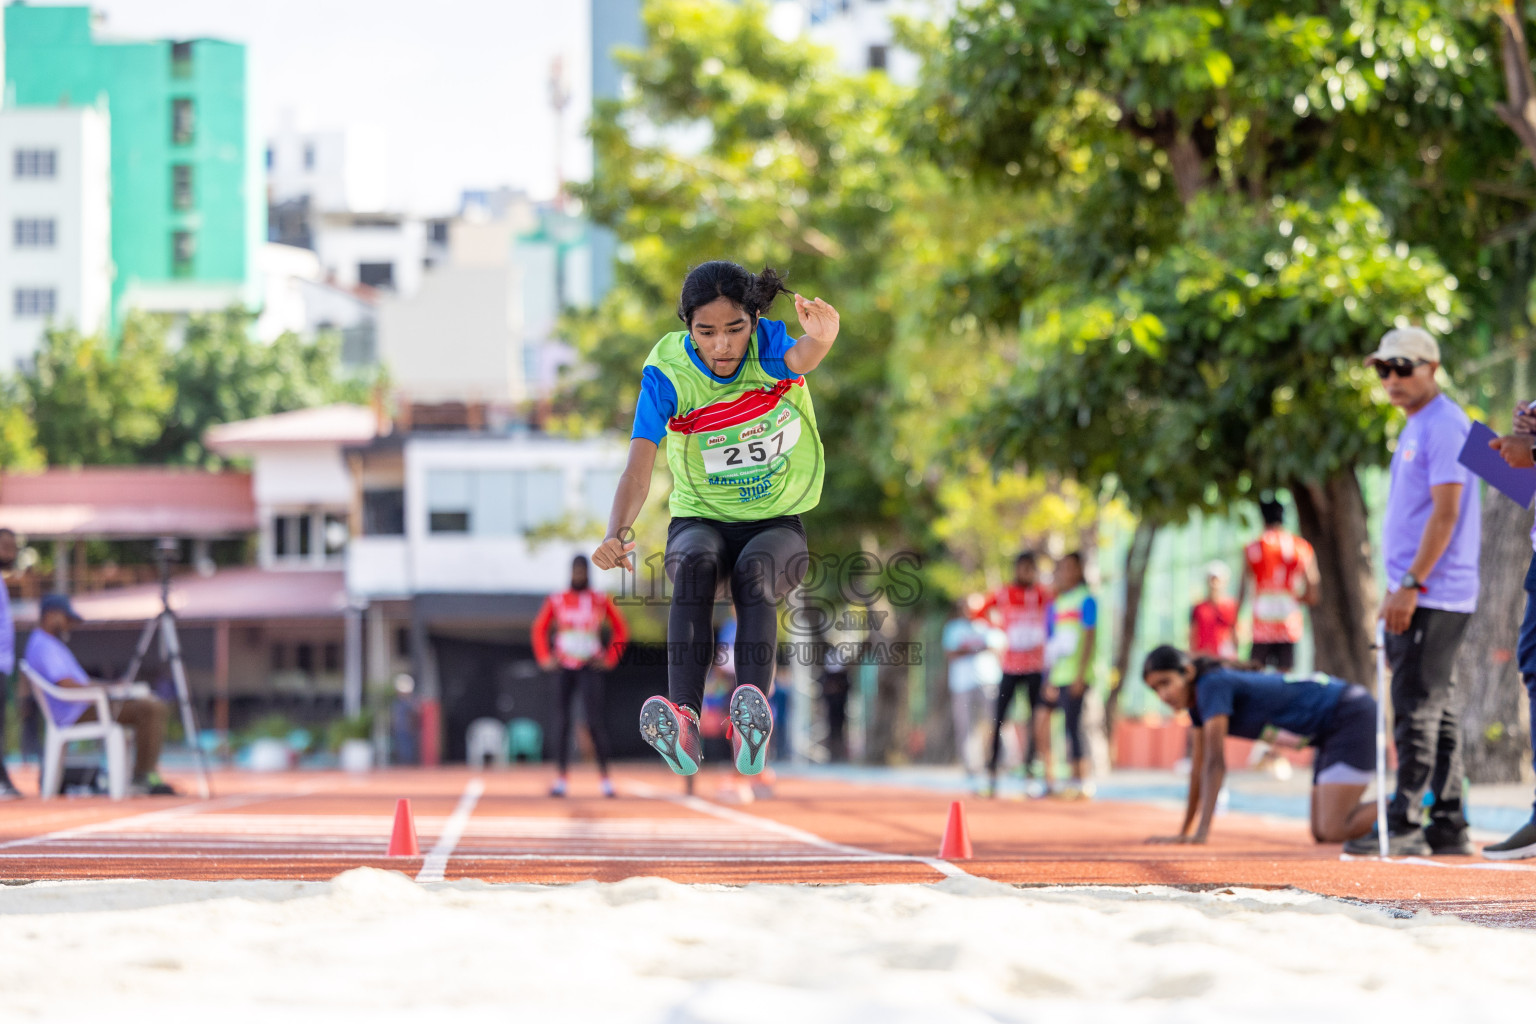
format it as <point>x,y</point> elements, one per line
<point>1519,450</point>
<point>1430,539</point>
<point>50,657</point>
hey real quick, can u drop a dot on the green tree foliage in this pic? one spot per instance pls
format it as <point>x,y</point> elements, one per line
<point>86,405</point>
<point>92,407</point>
<point>1247,196</point>
<point>222,375</point>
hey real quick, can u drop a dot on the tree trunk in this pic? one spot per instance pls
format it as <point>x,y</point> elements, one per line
<point>1494,734</point>
<point>1137,558</point>
<point>886,740</point>
<point>1333,520</point>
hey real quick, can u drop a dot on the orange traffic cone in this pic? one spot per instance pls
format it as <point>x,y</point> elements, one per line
<point>402,841</point>
<point>957,841</point>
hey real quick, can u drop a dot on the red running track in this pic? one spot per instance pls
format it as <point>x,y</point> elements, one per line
<point>499,826</point>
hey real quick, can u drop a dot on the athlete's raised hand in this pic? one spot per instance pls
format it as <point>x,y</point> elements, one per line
<point>818,327</point>
<point>818,320</point>
<point>612,553</point>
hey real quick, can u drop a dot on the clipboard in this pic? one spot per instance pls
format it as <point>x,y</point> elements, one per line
<point>1519,485</point>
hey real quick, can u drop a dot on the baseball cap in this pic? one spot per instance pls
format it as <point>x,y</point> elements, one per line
<point>1217,570</point>
<point>58,603</point>
<point>1406,343</point>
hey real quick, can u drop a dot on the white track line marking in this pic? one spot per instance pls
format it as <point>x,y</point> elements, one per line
<point>1425,862</point>
<point>694,803</point>
<point>135,820</point>
<point>437,857</point>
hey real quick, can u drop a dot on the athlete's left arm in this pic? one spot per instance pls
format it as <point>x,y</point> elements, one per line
<point>620,632</point>
<point>1213,772</point>
<point>1311,594</point>
<point>819,325</point>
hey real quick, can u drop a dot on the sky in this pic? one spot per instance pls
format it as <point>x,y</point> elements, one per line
<point>459,87</point>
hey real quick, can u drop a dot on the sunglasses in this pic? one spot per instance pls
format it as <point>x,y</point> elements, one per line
<point>1402,367</point>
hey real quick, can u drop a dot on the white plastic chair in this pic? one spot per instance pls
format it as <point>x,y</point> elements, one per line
<point>486,736</point>
<point>113,736</point>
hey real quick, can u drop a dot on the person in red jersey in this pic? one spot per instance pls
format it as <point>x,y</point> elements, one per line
<point>1213,622</point>
<point>1020,610</point>
<point>1282,576</point>
<point>577,617</point>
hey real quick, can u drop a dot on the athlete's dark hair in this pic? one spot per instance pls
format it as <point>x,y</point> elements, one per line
<point>580,561</point>
<point>705,283</point>
<point>1272,511</point>
<point>1076,556</point>
<point>1169,658</point>
<point>6,531</point>
<point>1026,556</point>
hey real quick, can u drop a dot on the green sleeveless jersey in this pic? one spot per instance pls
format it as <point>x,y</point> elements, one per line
<point>1070,619</point>
<point>739,450</point>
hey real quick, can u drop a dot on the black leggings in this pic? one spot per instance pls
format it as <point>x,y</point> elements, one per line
<point>589,681</point>
<point>761,561</point>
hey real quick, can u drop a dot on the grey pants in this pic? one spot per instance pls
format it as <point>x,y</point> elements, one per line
<point>1427,710</point>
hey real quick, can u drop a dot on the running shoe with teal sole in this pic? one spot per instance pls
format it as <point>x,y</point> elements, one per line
<point>673,732</point>
<point>751,725</point>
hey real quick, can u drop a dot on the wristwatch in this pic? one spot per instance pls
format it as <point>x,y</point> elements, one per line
<point>1410,582</point>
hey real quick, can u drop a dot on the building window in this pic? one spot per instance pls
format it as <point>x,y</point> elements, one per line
<point>376,275</point>
<point>183,253</point>
<point>336,533</point>
<point>181,60</point>
<point>290,536</point>
<point>494,503</point>
<point>36,163</point>
<point>181,186</point>
<point>402,642</point>
<point>383,513</point>
<point>331,658</point>
<point>597,487</point>
<point>183,121</point>
<point>309,156</point>
<point>35,302</point>
<point>279,658</point>
<point>269,158</point>
<point>34,233</point>
<point>878,55</point>
<point>304,658</point>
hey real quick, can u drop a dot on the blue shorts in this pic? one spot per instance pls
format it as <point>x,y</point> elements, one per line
<point>1346,745</point>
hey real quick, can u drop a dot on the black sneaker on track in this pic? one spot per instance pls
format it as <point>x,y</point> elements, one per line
<point>751,725</point>
<point>674,734</point>
<point>1520,846</point>
<point>1409,842</point>
<point>1448,839</point>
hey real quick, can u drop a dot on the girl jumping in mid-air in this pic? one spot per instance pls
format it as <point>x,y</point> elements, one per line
<point>1336,717</point>
<point>730,398</point>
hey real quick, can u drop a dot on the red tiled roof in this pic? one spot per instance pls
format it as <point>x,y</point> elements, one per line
<point>122,502</point>
<point>238,594</point>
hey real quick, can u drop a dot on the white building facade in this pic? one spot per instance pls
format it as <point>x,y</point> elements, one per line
<point>479,514</point>
<point>861,32</point>
<point>384,251</point>
<point>55,225</point>
<point>338,170</point>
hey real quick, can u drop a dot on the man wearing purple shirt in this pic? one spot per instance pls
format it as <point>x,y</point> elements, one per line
<point>1430,541</point>
<point>1519,450</point>
<point>8,790</point>
<point>50,657</point>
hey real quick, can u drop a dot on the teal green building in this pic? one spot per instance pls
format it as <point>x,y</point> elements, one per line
<point>188,202</point>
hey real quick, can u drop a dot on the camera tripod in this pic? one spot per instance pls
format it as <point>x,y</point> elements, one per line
<point>164,624</point>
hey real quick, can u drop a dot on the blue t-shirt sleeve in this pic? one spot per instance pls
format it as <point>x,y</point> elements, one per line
<point>1213,695</point>
<point>1090,613</point>
<point>657,405</point>
<point>773,342</point>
